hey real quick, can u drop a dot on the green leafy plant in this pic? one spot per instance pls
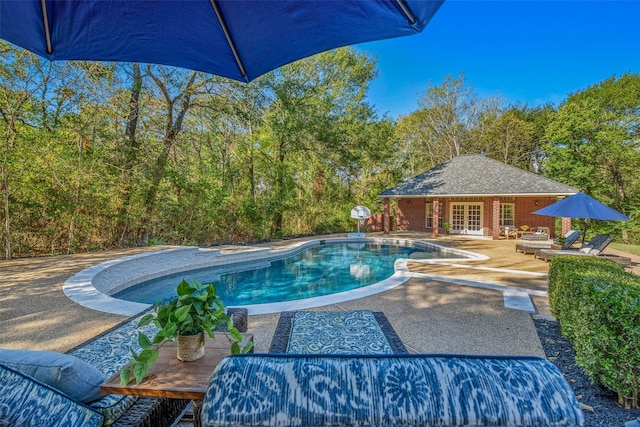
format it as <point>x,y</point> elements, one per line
<point>447,226</point>
<point>598,306</point>
<point>524,227</point>
<point>196,309</point>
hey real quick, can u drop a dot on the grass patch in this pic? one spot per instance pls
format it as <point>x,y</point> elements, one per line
<point>632,249</point>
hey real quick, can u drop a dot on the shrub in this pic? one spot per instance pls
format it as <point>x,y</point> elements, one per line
<point>598,306</point>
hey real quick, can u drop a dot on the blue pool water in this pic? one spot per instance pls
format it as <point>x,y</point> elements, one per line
<point>317,271</point>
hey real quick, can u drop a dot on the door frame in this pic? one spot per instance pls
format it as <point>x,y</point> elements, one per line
<point>465,229</point>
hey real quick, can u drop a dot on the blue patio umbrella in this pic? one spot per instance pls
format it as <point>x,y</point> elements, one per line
<point>581,206</point>
<point>239,39</point>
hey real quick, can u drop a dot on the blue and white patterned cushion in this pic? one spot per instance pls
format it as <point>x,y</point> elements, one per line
<point>337,332</point>
<point>26,402</point>
<point>398,390</point>
<point>64,372</point>
<point>110,353</point>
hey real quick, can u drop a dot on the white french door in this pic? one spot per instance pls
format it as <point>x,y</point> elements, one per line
<point>466,218</point>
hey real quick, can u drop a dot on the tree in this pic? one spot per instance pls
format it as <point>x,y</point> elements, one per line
<point>452,120</point>
<point>315,119</point>
<point>18,86</point>
<point>594,142</point>
<point>177,88</point>
<point>511,139</point>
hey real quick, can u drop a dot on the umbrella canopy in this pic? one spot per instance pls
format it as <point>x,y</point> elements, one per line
<point>239,39</point>
<point>581,206</point>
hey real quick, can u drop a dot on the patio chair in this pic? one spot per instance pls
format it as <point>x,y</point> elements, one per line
<point>531,247</point>
<point>543,230</point>
<point>594,247</point>
<point>42,388</point>
<point>508,232</point>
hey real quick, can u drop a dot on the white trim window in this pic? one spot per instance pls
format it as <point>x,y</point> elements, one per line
<point>507,214</point>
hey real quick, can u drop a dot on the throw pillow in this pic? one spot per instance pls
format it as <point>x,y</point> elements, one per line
<point>72,376</point>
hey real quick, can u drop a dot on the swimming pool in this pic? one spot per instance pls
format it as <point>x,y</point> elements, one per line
<point>316,271</point>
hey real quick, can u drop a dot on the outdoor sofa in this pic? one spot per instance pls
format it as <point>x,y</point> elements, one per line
<point>41,388</point>
<point>327,381</point>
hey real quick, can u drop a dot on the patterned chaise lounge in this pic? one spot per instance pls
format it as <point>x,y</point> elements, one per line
<point>388,390</point>
<point>351,369</point>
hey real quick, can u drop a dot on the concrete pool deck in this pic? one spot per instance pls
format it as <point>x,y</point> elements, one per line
<point>439,310</point>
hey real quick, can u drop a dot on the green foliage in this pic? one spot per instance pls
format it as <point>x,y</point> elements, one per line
<point>593,144</point>
<point>195,309</point>
<point>96,156</point>
<point>452,120</point>
<point>598,306</point>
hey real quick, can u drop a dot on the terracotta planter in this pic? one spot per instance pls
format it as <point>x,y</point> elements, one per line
<point>190,347</point>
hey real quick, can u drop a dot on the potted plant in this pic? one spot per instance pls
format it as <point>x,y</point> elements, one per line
<point>524,227</point>
<point>195,310</point>
<point>447,227</point>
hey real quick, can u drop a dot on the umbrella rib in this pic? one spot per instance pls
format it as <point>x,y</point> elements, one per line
<point>45,20</point>
<point>229,39</point>
<point>405,8</point>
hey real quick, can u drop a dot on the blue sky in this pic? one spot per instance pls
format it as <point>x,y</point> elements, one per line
<point>534,52</point>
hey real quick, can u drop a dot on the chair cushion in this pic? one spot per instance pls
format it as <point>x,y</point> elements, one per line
<point>26,402</point>
<point>383,390</point>
<point>72,376</point>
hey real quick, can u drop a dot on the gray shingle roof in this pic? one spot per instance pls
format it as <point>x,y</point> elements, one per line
<point>475,174</point>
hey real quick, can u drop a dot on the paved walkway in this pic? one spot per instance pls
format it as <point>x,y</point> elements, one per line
<point>444,309</point>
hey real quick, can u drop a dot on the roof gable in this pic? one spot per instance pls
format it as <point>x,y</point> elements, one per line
<point>477,175</point>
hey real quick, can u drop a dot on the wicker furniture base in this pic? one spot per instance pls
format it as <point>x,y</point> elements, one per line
<point>152,412</point>
<point>280,340</point>
<point>240,319</point>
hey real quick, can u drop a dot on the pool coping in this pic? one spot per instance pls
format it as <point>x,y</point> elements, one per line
<point>93,286</point>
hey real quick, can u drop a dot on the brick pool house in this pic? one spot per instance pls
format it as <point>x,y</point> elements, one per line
<point>473,195</point>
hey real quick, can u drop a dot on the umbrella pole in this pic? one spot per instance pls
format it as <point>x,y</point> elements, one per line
<point>586,225</point>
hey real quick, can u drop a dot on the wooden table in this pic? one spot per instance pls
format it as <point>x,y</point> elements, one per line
<point>172,378</point>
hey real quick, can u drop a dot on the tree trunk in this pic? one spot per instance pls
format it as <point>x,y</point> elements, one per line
<point>4,185</point>
<point>131,157</point>
<point>171,136</point>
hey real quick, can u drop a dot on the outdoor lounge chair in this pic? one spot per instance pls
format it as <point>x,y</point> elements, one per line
<point>348,388</point>
<point>592,248</point>
<point>530,247</point>
<point>41,388</point>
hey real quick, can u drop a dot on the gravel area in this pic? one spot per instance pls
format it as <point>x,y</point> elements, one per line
<point>606,411</point>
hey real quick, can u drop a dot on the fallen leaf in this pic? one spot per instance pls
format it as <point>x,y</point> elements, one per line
<point>587,408</point>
